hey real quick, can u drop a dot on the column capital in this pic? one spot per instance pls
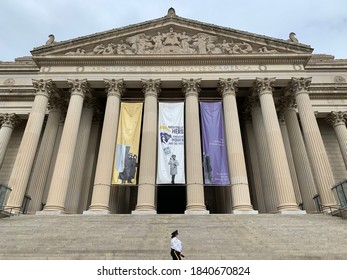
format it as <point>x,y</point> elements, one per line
<point>79,87</point>
<point>228,86</point>
<point>43,87</point>
<point>151,87</point>
<point>252,102</point>
<point>286,102</point>
<point>336,118</point>
<point>299,85</point>
<point>191,87</point>
<point>10,120</point>
<point>114,87</point>
<point>263,85</point>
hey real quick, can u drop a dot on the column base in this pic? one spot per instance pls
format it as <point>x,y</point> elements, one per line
<point>196,212</point>
<point>96,212</point>
<point>144,212</point>
<point>50,213</point>
<point>247,212</point>
<point>291,212</point>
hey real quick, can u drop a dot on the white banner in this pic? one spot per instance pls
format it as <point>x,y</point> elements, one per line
<point>170,169</point>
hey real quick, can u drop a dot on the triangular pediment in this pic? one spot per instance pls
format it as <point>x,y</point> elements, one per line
<point>171,35</point>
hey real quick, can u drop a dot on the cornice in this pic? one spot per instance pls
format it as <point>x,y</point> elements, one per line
<point>182,59</point>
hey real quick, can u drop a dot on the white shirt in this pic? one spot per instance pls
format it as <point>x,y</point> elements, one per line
<point>176,244</point>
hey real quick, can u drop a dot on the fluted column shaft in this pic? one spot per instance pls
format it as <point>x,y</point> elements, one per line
<point>315,147</point>
<point>146,191</point>
<point>8,122</point>
<point>255,166</point>
<point>279,163</point>
<point>338,121</point>
<point>103,173</point>
<point>289,155</point>
<point>300,158</point>
<point>76,178</point>
<point>62,170</point>
<point>241,200</point>
<point>26,154</point>
<point>40,171</point>
<point>266,172</point>
<point>195,187</point>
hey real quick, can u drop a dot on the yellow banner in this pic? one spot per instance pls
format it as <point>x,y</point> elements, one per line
<point>128,143</point>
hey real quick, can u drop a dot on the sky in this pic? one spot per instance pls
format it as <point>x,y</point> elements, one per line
<point>25,24</point>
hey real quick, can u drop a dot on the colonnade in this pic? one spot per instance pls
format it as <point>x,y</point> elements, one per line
<point>290,164</point>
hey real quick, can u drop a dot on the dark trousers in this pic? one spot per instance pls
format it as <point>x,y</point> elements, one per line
<point>175,255</point>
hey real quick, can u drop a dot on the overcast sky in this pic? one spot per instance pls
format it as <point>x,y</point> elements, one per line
<point>25,24</point>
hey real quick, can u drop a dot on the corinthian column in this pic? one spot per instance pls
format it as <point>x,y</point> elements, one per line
<point>315,147</point>
<point>26,154</point>
<point>8,123</point>
<point>103,173</point>
<point>146,191</point>
<point>62,170</point>
<point>195,186</point>
<point>289,155</point>
<point>254,162</point>
<point>278,158</point>
<point>338,121</point>
<point>266,171</point>
<point>241,202</point>
<point>79,161</point>
<point>300,158</point>
<point>41,168</point>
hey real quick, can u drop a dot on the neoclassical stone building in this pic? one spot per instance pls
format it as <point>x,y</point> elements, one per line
<point>281,123</point>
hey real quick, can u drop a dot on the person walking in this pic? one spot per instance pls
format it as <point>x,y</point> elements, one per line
<point>176,247</point>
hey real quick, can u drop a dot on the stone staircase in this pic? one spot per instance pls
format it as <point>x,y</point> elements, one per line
<point>131,237</point>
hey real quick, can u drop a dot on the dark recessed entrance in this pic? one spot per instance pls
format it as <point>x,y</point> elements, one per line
<point>171,199</point>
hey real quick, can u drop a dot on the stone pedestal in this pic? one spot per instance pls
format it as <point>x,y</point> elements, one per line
<point>146,190</point>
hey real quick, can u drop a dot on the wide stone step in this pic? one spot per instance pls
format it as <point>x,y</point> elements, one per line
<point>148,237</point>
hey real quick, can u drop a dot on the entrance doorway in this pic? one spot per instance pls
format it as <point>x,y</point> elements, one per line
<point>171,199</point>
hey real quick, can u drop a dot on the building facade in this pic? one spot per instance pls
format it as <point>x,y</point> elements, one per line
<point>66,112</point>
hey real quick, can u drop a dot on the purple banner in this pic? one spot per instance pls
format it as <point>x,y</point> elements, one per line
<point>213,146</point>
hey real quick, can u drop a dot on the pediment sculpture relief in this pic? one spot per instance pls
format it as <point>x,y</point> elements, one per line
<point>171,42</point>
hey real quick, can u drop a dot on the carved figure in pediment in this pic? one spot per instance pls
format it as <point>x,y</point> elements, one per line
<point>78,51</point>
<point>185,43</point>
<point>226,47</point>
<point>158,41</point>
<point>242,48</point>
<point>110,49</point>
<point>265,50</point>
<point>121,48</point>
<point>171,38</point>
<point>99,49</point>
